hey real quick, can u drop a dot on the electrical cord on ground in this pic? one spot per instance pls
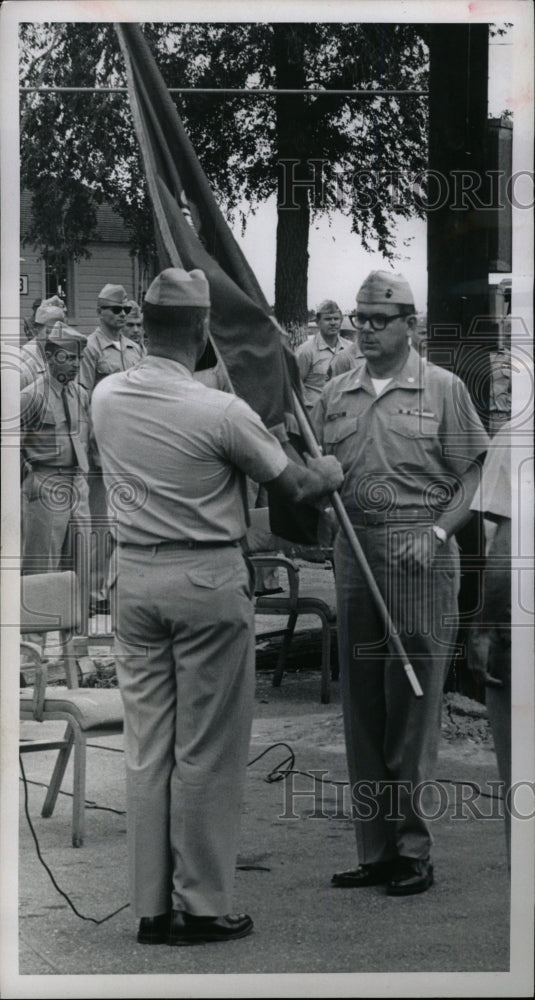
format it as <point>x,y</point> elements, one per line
<point>93,920</point>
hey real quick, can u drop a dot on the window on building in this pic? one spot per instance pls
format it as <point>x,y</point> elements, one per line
<point>58,280</point>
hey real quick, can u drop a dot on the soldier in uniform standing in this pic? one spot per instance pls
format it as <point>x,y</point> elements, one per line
<point>316,354</point>
<point>108,350</point>
<point>185,644</point>
<point>54,419</point>
<point>410,443</point>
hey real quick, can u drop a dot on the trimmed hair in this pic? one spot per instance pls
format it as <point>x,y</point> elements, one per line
<point>164,322</point>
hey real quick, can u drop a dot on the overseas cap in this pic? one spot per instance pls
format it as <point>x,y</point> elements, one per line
<point>66,336</point>
<point>176,287</point>
<point>135,312</point>
<point>50,310</point>
<point>382,288</point>
<point>113,295</point>
<point>328,305</point>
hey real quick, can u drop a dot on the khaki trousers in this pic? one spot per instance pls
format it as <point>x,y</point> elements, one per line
<point>391,735</point>
<point>55,522</point>
<point>185,663</point>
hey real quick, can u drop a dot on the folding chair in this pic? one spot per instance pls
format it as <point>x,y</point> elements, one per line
<point>50,602</point>
<point>298,600</point>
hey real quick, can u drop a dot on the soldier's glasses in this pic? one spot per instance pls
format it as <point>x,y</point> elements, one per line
<point>118,309</point>
<point>378,321</point>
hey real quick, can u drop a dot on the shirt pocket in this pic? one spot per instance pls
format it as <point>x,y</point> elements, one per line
<point>411,441</point>
<point>105,366</point>
<point>339,438</point>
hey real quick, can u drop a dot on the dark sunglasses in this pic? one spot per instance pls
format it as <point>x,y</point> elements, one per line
<point>118,309</point>
<point>379,321</point>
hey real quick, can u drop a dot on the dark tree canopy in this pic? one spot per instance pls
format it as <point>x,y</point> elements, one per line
<point>80,149</point>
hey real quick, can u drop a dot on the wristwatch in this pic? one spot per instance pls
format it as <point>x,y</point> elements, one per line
<point>441,534</point>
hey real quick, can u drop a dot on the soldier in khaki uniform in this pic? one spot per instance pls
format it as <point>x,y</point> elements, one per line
<point>54,418</point>
<point>108,350</point>
<point>409,441</point>
<point>315,355</point>
<point>185,626</point>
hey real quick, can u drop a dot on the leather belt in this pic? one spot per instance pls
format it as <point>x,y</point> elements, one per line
<point>182,543</point>
<point>369,518</point>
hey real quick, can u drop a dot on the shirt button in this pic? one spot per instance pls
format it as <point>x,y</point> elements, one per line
<point>410,379</point>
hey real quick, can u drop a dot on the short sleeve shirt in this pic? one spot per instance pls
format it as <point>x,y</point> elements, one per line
<point>406,448</point>
<point>45,436</point>
<point>102,357</point>
<point>174,453</point>
<point>314,358</point>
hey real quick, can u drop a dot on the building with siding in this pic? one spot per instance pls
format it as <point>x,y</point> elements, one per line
<point>80,281</point>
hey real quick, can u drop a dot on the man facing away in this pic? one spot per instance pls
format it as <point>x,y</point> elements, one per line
<point>409,441</point>
<point>185,644</point>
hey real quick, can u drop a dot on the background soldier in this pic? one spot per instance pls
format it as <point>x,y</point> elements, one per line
<point>316,354</point>
<point>54,418</point>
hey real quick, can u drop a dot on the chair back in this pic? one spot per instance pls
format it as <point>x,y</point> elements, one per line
<point>50,602</point>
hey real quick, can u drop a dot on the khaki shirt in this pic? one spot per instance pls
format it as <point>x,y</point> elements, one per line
<point>32,362</point>
<point>407,447</point>
<point>102,357</point>
<point>45,436</point>
<point>314,359</point>
<point>349,358</point>
<point>174,460</point>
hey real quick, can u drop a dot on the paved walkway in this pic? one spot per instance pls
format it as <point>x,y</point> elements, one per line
<point>295,834</point>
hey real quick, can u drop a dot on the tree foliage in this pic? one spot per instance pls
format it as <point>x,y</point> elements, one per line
<point>78,150</point>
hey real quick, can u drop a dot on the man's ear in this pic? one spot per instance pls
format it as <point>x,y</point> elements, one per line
<point>411,321</point>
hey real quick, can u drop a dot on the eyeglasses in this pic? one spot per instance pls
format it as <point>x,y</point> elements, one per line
<point>118,309</point>
<point>378,321</point>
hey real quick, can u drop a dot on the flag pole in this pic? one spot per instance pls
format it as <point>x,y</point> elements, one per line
<point>341,513</point>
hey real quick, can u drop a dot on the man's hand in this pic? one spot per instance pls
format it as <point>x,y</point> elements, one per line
<point>329,469</point>
<point>415,548</point>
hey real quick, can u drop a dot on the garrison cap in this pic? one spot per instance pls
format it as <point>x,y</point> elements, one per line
<point>328,305</point>
<point>50,310</point>
<point>112,295</point>
<point>382,288</point>
<point>62,335</point>
<point>135,311</point>
<point>176,287</point>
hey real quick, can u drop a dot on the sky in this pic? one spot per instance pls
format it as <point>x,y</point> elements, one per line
<point>338,262</point>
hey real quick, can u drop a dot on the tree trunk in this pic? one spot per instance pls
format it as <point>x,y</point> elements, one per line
<point>293,201</point>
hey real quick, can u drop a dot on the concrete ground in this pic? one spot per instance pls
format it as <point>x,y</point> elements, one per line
<point>309,939</point>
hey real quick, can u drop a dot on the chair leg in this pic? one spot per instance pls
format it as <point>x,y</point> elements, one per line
<point>58,773</point>
<point>284,650</point>
<point>78,803</point>
<point>325,660</point>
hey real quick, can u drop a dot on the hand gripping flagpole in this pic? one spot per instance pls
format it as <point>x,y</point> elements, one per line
<point>340,511</point>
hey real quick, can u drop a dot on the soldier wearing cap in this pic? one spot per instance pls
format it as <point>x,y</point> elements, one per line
<point>32,354</point>
<point>185,625</point>
<point>133,324</point>
<point>410,443</point>
<point>108,350</point>
<point>54,419</point>
<point>316,354</point>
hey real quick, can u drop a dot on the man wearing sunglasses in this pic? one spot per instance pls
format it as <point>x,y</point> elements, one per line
<point>108,350</point>
<point>410,443</point>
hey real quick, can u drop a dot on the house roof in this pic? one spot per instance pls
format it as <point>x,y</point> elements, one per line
<point>110,226</point>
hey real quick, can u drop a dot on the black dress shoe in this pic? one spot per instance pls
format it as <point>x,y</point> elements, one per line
<point>375,873</point>
<point>185,928</point>
<point>411,875</point>
<point>154,930</point>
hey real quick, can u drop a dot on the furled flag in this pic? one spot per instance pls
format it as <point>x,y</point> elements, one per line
<point>192,232</point>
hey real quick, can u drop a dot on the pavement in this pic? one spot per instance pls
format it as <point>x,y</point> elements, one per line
<point>309,939</point>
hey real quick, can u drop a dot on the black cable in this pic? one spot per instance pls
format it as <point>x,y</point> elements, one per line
<point>47,869</point>
<point>275,774</point>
